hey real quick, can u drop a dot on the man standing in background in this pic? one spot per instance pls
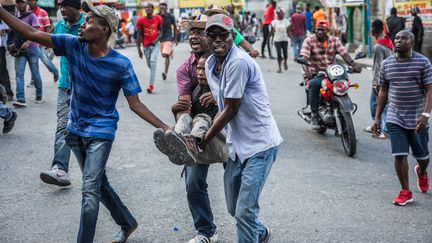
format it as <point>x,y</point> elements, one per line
<point>149,34</point>
<point>297,31</point>
<point>71,22</point>
<point>45,26</point>
<point>340,26</point>
<point>168,26</point>
<point>417,29</point>
<point>307,13</point>
<point>394,24</point>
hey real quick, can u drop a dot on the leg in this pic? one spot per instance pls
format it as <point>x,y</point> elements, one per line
<point>201,124</point>
<point>265,38</point>
<point>373,104</point>
<point>285,53</point>
<point>4,74</point>
<point>399,139</point>
<point>33,58</point>
<point>419,146</point>
<point>198,199</point>
<point>401,166</point>
<point>278,46</point>
<point>20,64</point>
<point>253,178</point>
<point>5,113</point>
<point>43,54</point>
<point>61,149</point>
<point>232,183</point>
<point>154,53</point>
<point>314,87</point>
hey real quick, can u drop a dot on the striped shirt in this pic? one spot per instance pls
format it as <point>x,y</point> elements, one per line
<point>95,85</point>
<point>321,56</point>
<point>406,80</point>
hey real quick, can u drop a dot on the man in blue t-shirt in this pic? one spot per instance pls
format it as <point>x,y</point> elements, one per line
<point>93,116</point>
<point>406,88</point>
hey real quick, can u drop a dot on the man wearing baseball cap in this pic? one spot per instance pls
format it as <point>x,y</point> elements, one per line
<point>236,81</point>
<point>71,22</point>
<point>93,116</point>
<point>320,51</point>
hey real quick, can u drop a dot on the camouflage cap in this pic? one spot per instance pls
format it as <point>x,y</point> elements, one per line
<point>104,12</point>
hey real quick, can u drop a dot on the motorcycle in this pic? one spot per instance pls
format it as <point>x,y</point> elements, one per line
<point>335,108</point>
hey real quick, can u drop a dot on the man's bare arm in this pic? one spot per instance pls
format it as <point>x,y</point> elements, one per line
<point>27,31</point>
<point>141,110</point>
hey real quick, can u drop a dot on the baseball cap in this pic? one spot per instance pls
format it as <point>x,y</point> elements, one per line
<point>220,20</point>
<point>322,23</point>
<point>104,12</point>
<point>72,3</point>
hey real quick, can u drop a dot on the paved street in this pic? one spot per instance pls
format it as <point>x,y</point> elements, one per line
<point>315,193</point>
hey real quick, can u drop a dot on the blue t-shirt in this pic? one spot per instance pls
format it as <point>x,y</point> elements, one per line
<point>406,80</point>
<point>308,16</point>
<point>95,85</point>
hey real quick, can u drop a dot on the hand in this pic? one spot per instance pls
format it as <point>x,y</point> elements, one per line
<point>421,123</point>
<point>140,53</point>
<point>376,127</point>
<point>181,105</point>
<point>207,99</point>
<point>254,53</point>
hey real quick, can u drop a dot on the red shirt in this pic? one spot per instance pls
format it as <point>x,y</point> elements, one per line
<point>298,22</point>
<point>269,14</point>
<point>43,18</point>
<point>149,28</point>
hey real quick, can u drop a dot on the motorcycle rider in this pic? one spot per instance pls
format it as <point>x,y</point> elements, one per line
<point>319,50</point>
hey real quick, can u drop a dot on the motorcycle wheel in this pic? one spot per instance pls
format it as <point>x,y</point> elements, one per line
<point>348,136</point>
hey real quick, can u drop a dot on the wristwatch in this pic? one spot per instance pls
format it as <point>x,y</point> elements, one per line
<point>427,115</point>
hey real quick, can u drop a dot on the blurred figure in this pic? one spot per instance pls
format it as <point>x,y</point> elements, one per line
<point>234,16</point>
<point>340,25</point>
<point>269,16</point>
<point>8,115</point>
<point>4,74</point>
<point>417,29</point>
<point>248,27</point>
<point>297,31</point>
<point>394,24</point>
<point>307,13</point>
<point>279,33</point>
<point>318,15</point>
<point>168,27</point>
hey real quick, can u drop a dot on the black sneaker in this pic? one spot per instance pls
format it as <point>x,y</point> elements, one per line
<point>180,147</point>
<point>19,103</point>
<point>123,235</point>
<point>38,100</point>
<point>162,145</point>
<point>9,124</point>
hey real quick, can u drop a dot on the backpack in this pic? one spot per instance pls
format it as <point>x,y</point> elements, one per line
<point>15,41</point>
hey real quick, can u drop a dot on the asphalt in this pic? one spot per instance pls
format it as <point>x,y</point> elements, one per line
<point>315,193</point>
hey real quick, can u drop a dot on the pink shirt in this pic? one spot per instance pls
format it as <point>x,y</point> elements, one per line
<point>269,14</point>
<point>187,77</point>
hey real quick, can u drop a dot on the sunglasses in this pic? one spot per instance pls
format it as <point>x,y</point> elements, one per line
<point>222,35</point>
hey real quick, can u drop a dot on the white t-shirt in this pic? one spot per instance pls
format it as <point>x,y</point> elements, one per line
<point>280,27</point>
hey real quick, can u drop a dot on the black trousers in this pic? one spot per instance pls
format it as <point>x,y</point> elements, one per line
<point>4,74</point>
<point>266,41</point>
<point>281,49</point>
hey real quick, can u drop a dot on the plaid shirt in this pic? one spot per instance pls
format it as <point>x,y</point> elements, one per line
<point>319,56</point>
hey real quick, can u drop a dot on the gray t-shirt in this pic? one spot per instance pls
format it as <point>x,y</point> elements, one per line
<point>381,52</point>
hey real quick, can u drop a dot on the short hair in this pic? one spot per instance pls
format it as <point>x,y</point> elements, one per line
<point>163,4</point>
<point>148,4</point>
<point>317,7</point>
<point>393,11</point>
<point>409,33</point>
<point>378,25</point>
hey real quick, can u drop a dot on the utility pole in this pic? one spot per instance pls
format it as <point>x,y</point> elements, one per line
<point>368,26</point>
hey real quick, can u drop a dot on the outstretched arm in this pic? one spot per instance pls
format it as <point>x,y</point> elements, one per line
<point>141,110</point>
<point>27,31</point>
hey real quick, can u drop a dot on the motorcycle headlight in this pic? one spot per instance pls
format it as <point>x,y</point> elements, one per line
<point>340,87</point>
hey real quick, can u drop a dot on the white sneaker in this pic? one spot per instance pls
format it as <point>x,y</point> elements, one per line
<point>204,239</point>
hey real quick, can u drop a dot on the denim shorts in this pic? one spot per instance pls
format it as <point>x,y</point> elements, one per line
<point>402,139</point>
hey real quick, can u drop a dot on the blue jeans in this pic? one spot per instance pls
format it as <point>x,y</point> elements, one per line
<point>198,199</point>
<point>5,113</point>
<point>297,43</point>
<point>43,54</point>
<point>243,184</point>
<point>314,88</point>
<point>32,57</point>
<point>151,54</point>
<point>373,106</point>
<point>61,149</point>
<point>92,155</point>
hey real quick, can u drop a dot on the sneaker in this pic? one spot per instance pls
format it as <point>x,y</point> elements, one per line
<point>204,239</point>
<point>164,76</point>
<point>162,145</point>
<point>55,176</point>
<point>368,129</point>
<point>150,89</point>
<point>422,181</point>
<point>9,124</point>
<point>39,100</point>
<point>31,84</point>
<point>123,235</point>
<point>268,237</point>
<point>19,103</point>
<point>180,148</point>
<point>380,135</point>
<point>405,196</point>
<point>314,121</point>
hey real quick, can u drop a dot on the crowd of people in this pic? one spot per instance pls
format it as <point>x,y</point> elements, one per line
<point>222,99</point>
